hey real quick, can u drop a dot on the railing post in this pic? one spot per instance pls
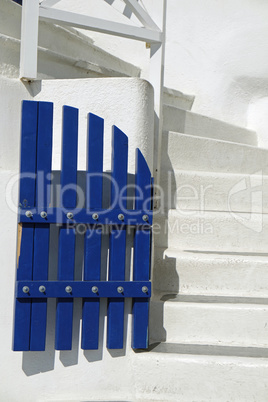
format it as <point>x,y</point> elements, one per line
<point>29,39</point>
<point>157,61</point>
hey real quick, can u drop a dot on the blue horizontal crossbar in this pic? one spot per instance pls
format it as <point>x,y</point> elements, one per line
<point>102,216</point>
<point>45,289</point>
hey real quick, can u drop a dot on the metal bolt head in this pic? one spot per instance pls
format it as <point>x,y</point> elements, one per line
<point>42,289</point>
<point>43,214</point>
<point>95,216</point>
<point>120,289</point>
<point>29,214</point>
<point>68,289</point>
<point>144,289</point>
<point>25,289</point>
<point>95,289</point>
<point>70,215</point>
<point>121,217</point>
<point>145,218</point>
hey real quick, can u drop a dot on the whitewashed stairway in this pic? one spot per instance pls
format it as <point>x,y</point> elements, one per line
<point>209,313</point>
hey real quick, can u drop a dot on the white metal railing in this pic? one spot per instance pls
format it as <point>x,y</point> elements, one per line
<point>150,33</point>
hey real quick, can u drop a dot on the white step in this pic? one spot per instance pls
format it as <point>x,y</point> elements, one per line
<point>207,320</point>
<point>162,376</point>
<point>214,231</point>
<point>178,99</point>
<point>182,121</point>
<point>187,152</point>
<point>63,52</point>
<point>215,191</point>
<point>217,274</point>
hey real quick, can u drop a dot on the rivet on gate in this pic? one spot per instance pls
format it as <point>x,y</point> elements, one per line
<point>120,289</point>
<point>43,214</point>
<point>95,289</point>
<point>121,217</point>
<point>95,216</point>
<point>70,215</point>
<point>68,289</point>
<point>29,214</point>
<point>42,289</point>
<point>144,289</point>
<point>145,218</point>
<point>25,289</point>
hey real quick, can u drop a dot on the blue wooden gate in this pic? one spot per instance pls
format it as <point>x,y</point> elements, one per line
<point>36,214</point>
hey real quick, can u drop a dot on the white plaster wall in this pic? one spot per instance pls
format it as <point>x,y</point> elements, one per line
<point>129,50</point>
<point>216,50</point>
<point>69,375</point>
<point>63,51</point>
<point>124,102</point>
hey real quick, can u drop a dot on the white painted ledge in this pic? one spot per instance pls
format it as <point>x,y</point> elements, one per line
<point>183,121</point>
<point>188,152</point>
<point>211,274</point>
<point>178,99</point>
<point>164,377</point>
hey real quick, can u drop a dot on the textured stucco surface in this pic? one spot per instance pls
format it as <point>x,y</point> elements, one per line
<point>63,51</point>
<point>124,102</point>
<point>215,50</point>
<point>74,375</point>
<point>216,330</point>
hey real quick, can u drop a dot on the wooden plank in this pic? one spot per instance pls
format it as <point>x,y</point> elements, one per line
<point>142,241</point>
<point>41,234</point>
<point>29,39</point>
<point>64,314</point>
<point>92,248</point>
<point>99,25</point>
<point>156,79</point>
<point>85,216</point>
<point>115,317</point>
<point>141,14</point>
<point>22,316</point>
<point>83,289</point>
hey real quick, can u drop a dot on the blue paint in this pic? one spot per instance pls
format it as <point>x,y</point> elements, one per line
<point>22,314</point>
<point>94,161</point>
<point>64,313</point>
<point>83,289</point>
<point>142,242</point>
<point>31,307</point>
<point>92,248</point>
<point>41,233</point>
<point>84,215</point>
<point>115,314</point>
<point>29,121</point>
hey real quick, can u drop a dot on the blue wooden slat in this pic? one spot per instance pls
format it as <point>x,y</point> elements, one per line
<point>83,289</point>
<point>141,268</point>
<point>41,234</point>
<point>64,314</point>
<point>115,315</point>
<point>22,316</point>
<point>83,215</point>
<point>92,250</point>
